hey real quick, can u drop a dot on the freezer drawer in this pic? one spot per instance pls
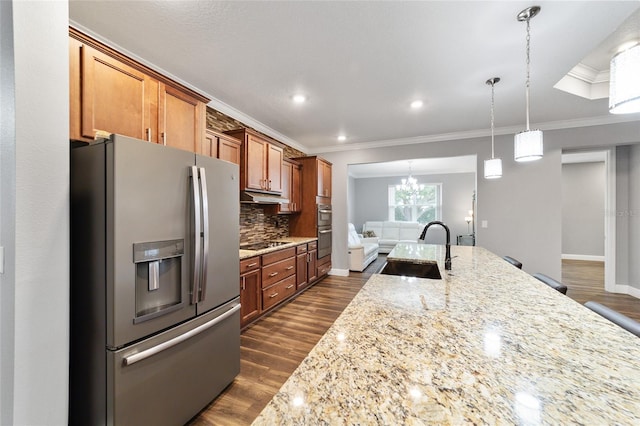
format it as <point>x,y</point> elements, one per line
<point>170,386</point>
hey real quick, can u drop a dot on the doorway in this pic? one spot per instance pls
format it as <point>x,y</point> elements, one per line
<point>588,222</point>
<point>584,212</point>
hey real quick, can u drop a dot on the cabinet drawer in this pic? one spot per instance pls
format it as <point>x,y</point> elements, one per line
<point>273,273</point>
<point>278,292</point>
<point>302,248</point>
<point>249,264</point>
<point>324,269</point>
<point>277,256</point>
<point>313,245</point>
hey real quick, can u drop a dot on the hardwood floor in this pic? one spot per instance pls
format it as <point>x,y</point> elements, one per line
<point>585,281</point>
<point>272,348</point>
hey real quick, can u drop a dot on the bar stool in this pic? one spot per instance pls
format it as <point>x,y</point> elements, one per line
<point>556,285</point>
<point>513,261</point>
<point>615,317</point>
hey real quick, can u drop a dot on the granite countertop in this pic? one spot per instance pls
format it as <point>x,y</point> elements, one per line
<point>292,241</point>
<point>487,344</point>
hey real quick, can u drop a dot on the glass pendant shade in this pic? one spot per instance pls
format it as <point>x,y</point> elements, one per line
<point>624,84</point>
<point>493,168</point>
<point>528,145</point>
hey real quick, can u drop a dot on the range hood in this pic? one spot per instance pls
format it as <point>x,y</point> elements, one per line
<point>249,197</point>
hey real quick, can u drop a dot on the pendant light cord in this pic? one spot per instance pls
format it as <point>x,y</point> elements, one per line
<point>528,76</point>
<point>492,103</point>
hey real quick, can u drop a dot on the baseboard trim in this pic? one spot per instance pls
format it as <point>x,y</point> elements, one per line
<point>583,257</point>
<point>339,272</point>
<point>627,289</point>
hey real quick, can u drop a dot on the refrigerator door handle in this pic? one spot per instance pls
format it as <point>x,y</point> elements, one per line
<point>132,359</point>
<point>205,233</point>
<point>197,233</point>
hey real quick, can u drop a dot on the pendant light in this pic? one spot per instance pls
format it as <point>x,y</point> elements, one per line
<point>492,167</point>
<point>528,143</point>
<point>624,84</point>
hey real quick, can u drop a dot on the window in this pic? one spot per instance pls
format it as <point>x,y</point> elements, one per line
<point>423,206</point>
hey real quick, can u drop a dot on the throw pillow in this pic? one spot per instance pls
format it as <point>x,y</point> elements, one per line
<point>368,234</point>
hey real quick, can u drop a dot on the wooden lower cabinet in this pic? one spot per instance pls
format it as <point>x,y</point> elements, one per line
<point>302,269</point>
<point>324,266</point>
<point>278,292</point>
<point>267,280</point>
<point>250,290</point>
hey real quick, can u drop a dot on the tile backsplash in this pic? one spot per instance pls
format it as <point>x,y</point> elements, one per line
<point>256,225</point>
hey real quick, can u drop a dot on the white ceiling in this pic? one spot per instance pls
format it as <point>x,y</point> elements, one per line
<point>361,63</point>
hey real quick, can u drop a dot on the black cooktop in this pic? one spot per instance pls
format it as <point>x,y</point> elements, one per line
<point>262,245</point>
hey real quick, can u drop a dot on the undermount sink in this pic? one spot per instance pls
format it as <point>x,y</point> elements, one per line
<point>409,269</point>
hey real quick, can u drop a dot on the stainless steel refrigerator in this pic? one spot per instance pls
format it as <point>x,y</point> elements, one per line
<point>155,321</point>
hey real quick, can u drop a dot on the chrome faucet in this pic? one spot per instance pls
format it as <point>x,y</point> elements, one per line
<point>447,255</point>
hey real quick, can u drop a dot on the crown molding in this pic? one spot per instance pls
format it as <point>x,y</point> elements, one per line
<point>226,109</point>
<point>551,125</point>
<point>589,74</point>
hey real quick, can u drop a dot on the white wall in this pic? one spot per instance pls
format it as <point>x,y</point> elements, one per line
<point>622,215</point>
<point>634,216</point>
<point>35,297</point>
<point>523,208</point>
<point>583,204</point>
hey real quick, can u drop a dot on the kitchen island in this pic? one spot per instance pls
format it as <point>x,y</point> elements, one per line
<point>486,344</point>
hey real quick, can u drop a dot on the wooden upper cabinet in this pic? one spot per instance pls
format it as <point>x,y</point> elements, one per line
<point>219,145</point>
<point>256,151</point>
<point>274,168</point>
<point>111,92</point>
<point>181,119</point>
<point>296,188</point>
<point>260,162</point>
<point>210,144</point>
<point>114,97</point>
<point>324,179</point>
<point>286,187</point>
<point>229,149</point>
<point>290,187</point>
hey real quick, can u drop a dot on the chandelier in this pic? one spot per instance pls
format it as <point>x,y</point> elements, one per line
<point>528,143</point>
<point>410,185</point>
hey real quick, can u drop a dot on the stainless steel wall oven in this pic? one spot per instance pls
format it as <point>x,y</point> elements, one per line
<point>324,230</point>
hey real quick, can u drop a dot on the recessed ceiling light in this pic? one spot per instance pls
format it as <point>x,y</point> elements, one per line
<point>342,138</point>
<point>417,104</point>
<point>299,99</point>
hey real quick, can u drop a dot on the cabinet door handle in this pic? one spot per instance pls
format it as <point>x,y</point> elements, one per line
<point>273,274</point>
<point>243,282</point>
<point>269,184</point>
<point>251,265</point>
<point>273,295</point>
<point>148,134</point>
<point>289,286</point>
<point>289,268</point>
<point>164,138</point>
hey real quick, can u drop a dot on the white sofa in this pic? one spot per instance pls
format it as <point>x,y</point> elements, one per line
<point>362,251</point>
<point>391,233</point>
